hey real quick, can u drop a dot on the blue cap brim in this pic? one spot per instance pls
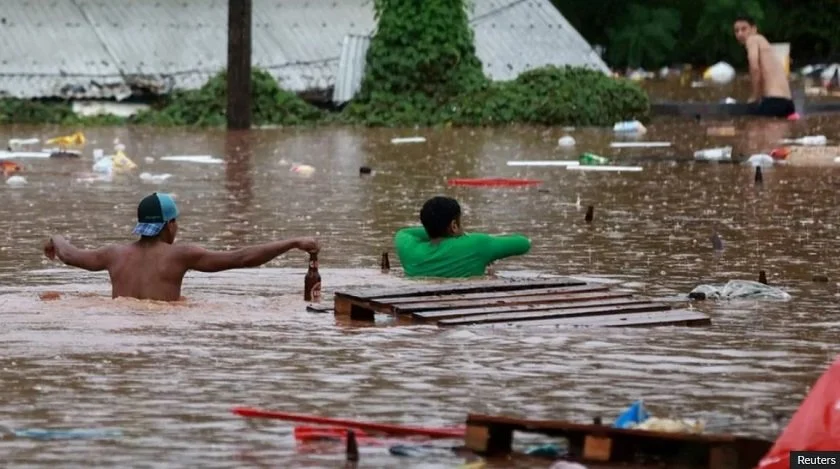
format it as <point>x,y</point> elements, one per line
<point>148,229</point>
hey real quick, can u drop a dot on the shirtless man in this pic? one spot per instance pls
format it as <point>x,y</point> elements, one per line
<point>153,267</point>
<point>770,88</point>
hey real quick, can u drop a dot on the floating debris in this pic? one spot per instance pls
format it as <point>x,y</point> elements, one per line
<point>544,163</point>
<point>605,168</point>
<point>566,141</point>
<point>16,181</point>
<point>714,154</point>
<point>154,178</point>
<point>640,144</point>
<point>302,169</point>
<point>193,159</point>
<point>808,140</point>
<point>397,141</point>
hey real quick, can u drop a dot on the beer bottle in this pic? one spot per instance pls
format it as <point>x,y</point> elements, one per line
<point>312,281</point>
<point>386,264</point>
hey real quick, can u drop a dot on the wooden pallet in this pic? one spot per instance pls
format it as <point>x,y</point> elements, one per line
<point>493,436</point>
<point>555,302</point>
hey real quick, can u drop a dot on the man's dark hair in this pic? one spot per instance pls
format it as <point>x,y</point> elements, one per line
<point>437,214</point>
<point>745,18</point>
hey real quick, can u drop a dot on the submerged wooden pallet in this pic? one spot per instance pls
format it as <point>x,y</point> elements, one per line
<point>557,301</point>
<point>493,436</point>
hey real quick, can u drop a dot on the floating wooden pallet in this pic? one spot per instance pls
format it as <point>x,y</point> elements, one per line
<point>557,301</point>
<point>493,436</point>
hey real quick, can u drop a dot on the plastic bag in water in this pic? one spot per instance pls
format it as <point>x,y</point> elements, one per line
<point>632,415</point>
<point>742,290</point>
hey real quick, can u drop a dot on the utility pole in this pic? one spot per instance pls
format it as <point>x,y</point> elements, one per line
<point>239,65</point>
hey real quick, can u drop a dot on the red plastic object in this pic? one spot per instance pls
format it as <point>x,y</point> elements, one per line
<point>487,182</point>
<point>780,153</point>
<point>814,427</point>
<point>368,426</point>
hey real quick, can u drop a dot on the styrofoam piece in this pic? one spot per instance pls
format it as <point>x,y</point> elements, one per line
<point>194,159</point>
<point>23,154</point>
<point>605,168</point>
<point>640,144</point>
<point>544,163</point>
<point>408,140</point>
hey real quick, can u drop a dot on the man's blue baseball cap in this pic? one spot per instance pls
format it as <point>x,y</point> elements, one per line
<point>153,213</point>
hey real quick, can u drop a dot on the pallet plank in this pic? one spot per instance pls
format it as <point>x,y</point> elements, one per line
<point>661,318</point>
<point>462,287</point>
<point>487,295</point>
<point>492,435</point>
<point>512,300</point>
<point>593,312</point>
<point>578,300</point>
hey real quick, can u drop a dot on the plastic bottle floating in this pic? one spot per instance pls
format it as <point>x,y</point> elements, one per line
<point>808,140</point>
<point>592,159</point>
<point>714,154</point>
<point>720,73</point>
<point>629,127</point>
<point>18,143</point>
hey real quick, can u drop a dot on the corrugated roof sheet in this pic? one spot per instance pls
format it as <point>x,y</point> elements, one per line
<point>351,68</point>
<point>99,48</point>
<point>48,49</point>
<point>513,36</point>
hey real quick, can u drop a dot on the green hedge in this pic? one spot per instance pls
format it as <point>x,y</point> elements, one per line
<point>207,105</point>
<point>553,96</point>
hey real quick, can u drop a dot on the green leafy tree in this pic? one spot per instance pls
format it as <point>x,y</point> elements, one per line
<point>714,34</point>
<point>646,37</point>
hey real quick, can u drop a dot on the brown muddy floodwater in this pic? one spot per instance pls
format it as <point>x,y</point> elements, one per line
<point>168,375</point>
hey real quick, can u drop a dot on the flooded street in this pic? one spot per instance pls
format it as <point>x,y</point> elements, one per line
<point>167,375</point>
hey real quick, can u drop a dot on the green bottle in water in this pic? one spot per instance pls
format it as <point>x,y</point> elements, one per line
<point>592,159</point>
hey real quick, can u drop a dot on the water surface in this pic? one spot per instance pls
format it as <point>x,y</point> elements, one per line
<point>167,375</point>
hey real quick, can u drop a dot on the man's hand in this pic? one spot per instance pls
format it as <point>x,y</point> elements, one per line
<point>49,249</point>
<point>309,245</point>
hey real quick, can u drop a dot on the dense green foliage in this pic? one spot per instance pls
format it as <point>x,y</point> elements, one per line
<point>207,105</point>
<point>421,57</point>
<point>552,96</point>
<point>652,33</point>
<point>422,70</point>
<point>25,111</point>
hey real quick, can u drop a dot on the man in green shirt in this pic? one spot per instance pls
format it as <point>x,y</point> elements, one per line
<point>440,248</point>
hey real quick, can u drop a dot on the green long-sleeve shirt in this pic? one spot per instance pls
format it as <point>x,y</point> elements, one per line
<point>461,256</point>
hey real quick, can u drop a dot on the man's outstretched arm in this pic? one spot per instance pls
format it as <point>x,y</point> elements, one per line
<point>205,260</point>
<point>93,260</point>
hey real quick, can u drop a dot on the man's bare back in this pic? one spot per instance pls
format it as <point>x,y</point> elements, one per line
<point>774,82</point>
<point>770,88</point>
<point>153,267</point>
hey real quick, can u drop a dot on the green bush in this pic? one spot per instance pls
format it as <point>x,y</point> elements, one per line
<point>421,57</point>
<point>207,105</point>
<point>553,96</point>
<point>27,111</point>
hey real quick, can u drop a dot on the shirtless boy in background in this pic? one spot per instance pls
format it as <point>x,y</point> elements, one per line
<point>770,88</point>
